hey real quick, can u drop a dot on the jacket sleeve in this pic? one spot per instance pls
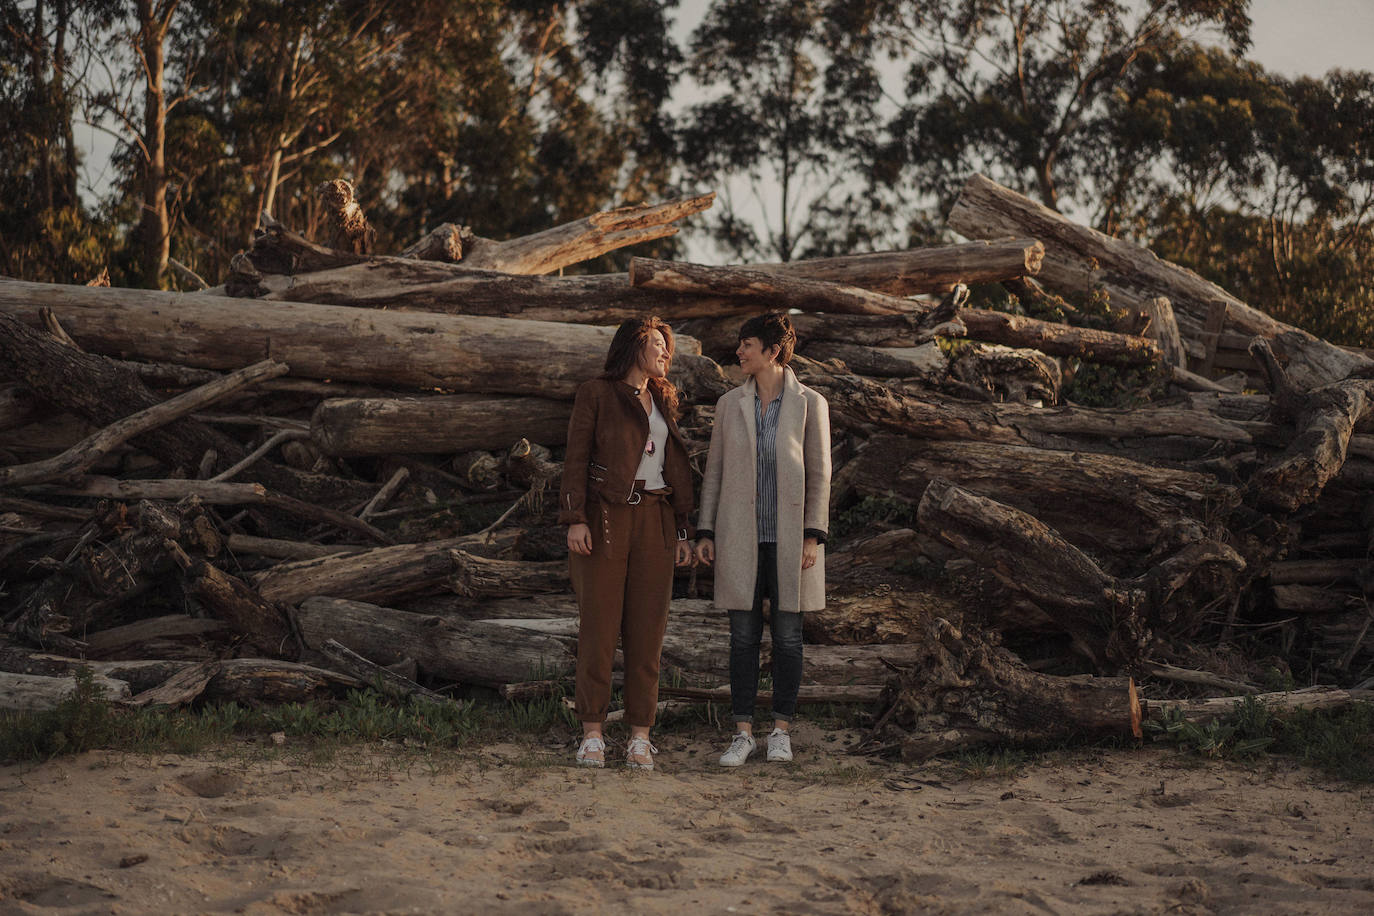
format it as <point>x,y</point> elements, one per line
<point>710,481</point>
<point>816,515</point>
<point>572,493</point>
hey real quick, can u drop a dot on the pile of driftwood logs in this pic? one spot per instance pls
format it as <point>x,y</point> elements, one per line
<point>332,472</point>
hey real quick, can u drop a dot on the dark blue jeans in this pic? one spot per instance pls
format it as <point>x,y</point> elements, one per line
<point>746,634</point>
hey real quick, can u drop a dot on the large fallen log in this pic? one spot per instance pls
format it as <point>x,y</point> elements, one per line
<point>467,651</point>
<point>768,289</point>
<point>36,692</point>
<point>1167,433</point>
<point>1325,420</point>
<point>377,575</point>
<point>1119,509</point>
<point>277,249</point>
<point>1109,618</point>
<point>610,298</point>
<point>1059,339</point>
<point>104,392</point>
<point>440,424</point>
<point>1212,708</point>
<point>965,692</point>
<point>1080,259</point>
<point>403,349</point>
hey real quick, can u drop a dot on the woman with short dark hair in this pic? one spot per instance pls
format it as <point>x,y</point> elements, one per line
<point>765,513</point>
<point>625,497</point>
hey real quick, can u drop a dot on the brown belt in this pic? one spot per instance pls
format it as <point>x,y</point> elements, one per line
<point>637,493</point>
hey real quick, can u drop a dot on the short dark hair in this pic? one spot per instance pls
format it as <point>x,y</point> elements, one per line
<point>773,330</point>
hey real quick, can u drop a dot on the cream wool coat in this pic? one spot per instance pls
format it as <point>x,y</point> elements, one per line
<point>728,495</point>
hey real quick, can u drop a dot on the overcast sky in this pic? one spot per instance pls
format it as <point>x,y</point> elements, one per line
<point>1310,37</point>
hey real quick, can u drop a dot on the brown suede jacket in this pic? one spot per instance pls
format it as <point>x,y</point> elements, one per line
<point>606,437</point>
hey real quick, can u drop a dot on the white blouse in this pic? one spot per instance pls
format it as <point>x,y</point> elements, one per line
<point>651,462</point>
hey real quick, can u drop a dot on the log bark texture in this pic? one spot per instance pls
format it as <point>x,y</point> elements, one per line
<point>610,298</point>
<point>1079,259</point>
<point>414,350</point>
<point>1109,618</point>
<point>352,427</point>
<point>376,575</point>
<point>967,692</point>
<point>472,652</point>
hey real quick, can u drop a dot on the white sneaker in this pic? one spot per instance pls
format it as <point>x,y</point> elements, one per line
<point>779,746</point>
<point>592,744</point>
<point>739,750</point>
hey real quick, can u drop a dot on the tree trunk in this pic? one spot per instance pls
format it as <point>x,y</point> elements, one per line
<point>610,298</point>
<point>966,692</point>
<point>584,239</point>
<point>1212,708</point>
<point>263,624</point>
<point>36,693</point>
<point>1080,259</point>
<point>1325,419</point>
<point>1059,339</point>
<point>485,355</point>
<point>1109,618</point>
<point>481,577</point>
<point>762,287</point>
<point>376,575</point>
<point>468,651</point>
<point>278,250</point>
<point>174,636</point>
<point>350,427</point>
<point>156,224</point>
<point>1120,509</point>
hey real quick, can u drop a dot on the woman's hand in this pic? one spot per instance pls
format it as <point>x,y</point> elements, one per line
<point>810,552</point>
<point>706,551</point>
<point>580,539</point>
<point>685,555</point>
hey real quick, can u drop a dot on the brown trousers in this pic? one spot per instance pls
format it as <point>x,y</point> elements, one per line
<point>623,590</point>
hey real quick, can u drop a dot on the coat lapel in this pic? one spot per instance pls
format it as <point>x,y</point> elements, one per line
<point>792,413</point>
<point>746,404</point>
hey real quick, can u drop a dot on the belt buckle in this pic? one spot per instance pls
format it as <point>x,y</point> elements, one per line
<point>634,498</point>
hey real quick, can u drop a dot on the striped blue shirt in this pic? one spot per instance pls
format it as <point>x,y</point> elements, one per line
<point>766,467</point>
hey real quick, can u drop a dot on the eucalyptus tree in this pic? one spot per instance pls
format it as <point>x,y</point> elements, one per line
<point>45,50</point>
<point>789,129</point>
<point>1019,89</point>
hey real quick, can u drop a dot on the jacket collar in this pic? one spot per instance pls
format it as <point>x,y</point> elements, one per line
<point>791,413</point>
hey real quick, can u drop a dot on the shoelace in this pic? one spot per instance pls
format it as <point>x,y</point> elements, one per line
<point>590,746</point>
<point>740,743</point>
<point>640,747</point>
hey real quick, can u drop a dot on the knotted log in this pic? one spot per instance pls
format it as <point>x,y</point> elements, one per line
<point>965,691</point>
<point>1325,419</point>
<point>1080,259</point>
<point>1109,618</point>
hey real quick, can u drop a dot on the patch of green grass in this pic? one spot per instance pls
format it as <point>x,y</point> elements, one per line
<point>79,723</point>
<point>1339,742</point>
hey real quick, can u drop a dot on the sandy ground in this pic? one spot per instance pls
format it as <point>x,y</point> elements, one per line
<point>514,830</point>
